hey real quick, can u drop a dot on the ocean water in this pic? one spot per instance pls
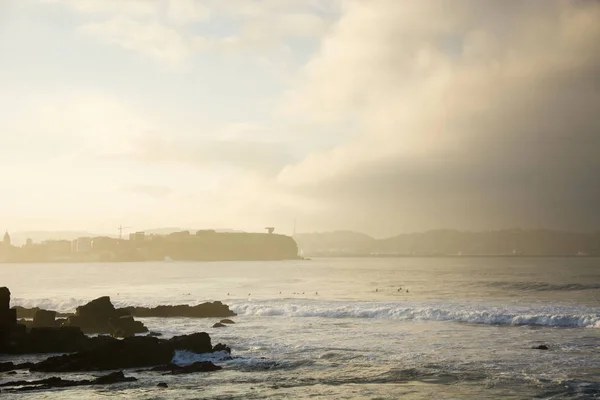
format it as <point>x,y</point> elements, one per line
<point>342,329</point>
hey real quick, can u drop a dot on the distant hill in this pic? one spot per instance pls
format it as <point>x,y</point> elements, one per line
<point>451,242</point>
<point>337,242</point>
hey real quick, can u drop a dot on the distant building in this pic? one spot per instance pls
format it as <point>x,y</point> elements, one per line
<point>5,248</point>
<point>82,244</point>
<point>179,235</point>
<point>29,242</point>
<point>270,229</point>
<point>137,237</point>
<point>57,248</point>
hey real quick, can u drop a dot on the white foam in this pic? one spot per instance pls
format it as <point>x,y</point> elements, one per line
<point>554,317</point>
<point>183,357</point>
<point>558,316</point>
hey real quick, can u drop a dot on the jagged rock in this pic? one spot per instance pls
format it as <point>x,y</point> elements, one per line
<point>114,377</point>
<point>541,347</point>
<point>155,334</point>
<point>174,369</point>
<point>221,347</point>
<point>196,342</point>
<point>219,325</point>
<point>215,309</point>
<point>100,316</point>
<point>50,340</point>
<point>10,331</point>
<point>57,382</point>
<point>44,318</point>
<point>24,312</point>
<point>125,326</point>
<point>131,352</point>
<point>199,366</point>
<point>10,366</point>
<point>162,385</point>
<point>227,321</point>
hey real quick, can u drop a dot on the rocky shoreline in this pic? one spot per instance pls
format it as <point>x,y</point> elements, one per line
<point>116,346</point>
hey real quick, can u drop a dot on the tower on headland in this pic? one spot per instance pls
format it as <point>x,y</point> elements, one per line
<point>5,248</point>
<point>270,230</point>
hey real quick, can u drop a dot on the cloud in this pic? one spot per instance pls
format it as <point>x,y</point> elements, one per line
<point>474,114</point>
<point>161,29</point>
<point>155,191</point>
<point>246,154</point>
<point>148,38</point>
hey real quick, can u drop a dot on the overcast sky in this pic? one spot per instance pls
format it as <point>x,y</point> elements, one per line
<point>383,116</point>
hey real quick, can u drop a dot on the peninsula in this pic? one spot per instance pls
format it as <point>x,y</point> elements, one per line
<point>202,245</point>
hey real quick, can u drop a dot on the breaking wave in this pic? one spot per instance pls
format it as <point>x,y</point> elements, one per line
<point>553,317</point>
<point>543,286</point>
<point>560,316</point>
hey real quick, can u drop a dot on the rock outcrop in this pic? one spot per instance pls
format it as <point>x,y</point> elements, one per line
<point>24,312</point>
<point>100,316</point>
<point>10,331</point>
<point>196,342</point>
<point>49,340</point>
<point>57,382</point>
<point>174,369</point>
<point>214,309</point>
<point>134,352</point>
<point>106,353</point>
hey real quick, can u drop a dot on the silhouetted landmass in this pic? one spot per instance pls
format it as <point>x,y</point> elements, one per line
<point>513,242</point>
<point>92,353</point>
<point>205,245</point>
<point>214,309</point>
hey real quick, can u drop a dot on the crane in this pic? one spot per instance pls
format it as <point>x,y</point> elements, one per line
<point>121,227</point>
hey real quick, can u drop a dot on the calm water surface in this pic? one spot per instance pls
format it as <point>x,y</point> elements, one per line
<point>341,328</point>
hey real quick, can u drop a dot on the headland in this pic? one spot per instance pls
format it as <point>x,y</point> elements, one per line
<point>202,245</point>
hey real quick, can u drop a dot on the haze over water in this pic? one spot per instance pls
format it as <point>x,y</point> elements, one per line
<point>465,329</point>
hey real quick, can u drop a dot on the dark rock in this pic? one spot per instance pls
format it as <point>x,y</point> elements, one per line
<point>44,318</point>
<point>219,325</point>
<point>174,369</point>
<point>215,309</point>
<point>541,347</point>
<point>24,312</point>
<point>10,331</point>
<point>227,321</point>
<point>4,298</point>
<point>7,366</point>
<point>100,316</point>
<point>57,382</point>
<point>10,366</point>
<point>50,340</point>
<point>221,347</point>
<point>196,342</point>
<point>131,352</point>
<point>163,368</point>
<point>125,326</point>
<point>155,334</point>
<point>200,366</point>
<point>162,385</point>
<point>114,377</point>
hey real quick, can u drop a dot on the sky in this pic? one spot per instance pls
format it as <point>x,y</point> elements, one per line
<point>380,116</point>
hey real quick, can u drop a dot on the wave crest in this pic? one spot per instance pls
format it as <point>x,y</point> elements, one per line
<point>558,317</point>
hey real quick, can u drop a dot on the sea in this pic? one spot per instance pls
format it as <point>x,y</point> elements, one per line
<point>349,328</point>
